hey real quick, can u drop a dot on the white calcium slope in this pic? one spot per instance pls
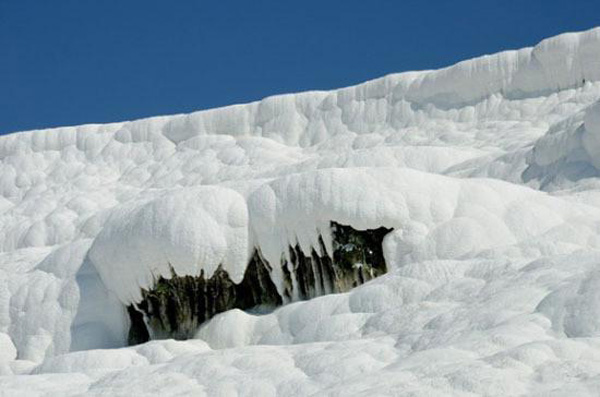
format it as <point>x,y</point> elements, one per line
<point>486,170</point>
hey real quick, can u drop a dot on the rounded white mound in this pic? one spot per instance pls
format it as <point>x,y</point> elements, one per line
<point>433,216</point>
<point>185,231</point>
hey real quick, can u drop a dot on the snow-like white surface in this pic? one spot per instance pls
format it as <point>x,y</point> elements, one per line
<point>185,231</point>
<point>591,136</point>
<point>488,172</point>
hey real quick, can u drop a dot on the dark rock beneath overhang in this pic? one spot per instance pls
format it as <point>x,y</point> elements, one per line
<point>175,307</point>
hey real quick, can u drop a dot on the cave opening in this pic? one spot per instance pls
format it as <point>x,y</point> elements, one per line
<point>176,307</point>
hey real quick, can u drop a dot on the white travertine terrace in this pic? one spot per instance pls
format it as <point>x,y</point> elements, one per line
<point>488,172</point>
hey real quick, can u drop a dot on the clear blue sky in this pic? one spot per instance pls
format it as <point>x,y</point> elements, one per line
<point>67,62</point>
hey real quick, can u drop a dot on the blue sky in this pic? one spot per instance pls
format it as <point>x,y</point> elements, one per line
<point>68,62</point>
